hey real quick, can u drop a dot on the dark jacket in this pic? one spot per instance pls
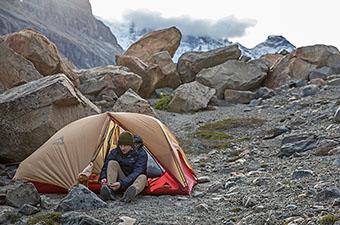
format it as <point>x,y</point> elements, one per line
<point>132,164</point>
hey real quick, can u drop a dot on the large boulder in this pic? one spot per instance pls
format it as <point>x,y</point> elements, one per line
<point>33,112</point>
<point>44,55</point>
<point>142,69</point>
<point>15,69</point>
<point>80,198</point>
<point>191,63</point>
<point>168,76</point>
<point>132,102</point>
<point>234,96</point>
<point>271,59</point>
<point>22,193</point>
<point>302,63</point>
<point>190,97</point>
<point>154,42</point>
<point>233,74</point>
<point>119,78</point>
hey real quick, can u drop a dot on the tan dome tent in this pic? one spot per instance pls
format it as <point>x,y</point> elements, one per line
<point>55,166</point>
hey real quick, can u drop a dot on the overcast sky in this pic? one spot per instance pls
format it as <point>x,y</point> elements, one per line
<point>249,22</point>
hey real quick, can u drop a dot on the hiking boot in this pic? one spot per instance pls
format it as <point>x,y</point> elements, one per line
<point>130,194</point>
<point>106,193</point>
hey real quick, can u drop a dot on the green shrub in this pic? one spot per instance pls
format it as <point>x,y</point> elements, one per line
<point>52,218</point>
<point>163,102</point>
<point>328,219</point>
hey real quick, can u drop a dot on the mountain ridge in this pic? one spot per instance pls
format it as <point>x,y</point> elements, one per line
<point>79,36</point>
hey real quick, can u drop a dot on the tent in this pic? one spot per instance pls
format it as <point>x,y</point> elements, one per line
<point>54,167</point>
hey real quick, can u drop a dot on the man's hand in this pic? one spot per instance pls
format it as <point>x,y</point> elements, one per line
<point>115,186</point>
<point>103,181</point>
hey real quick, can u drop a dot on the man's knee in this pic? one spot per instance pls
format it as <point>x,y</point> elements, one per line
<point>142,180</point>
<point>113,164</point>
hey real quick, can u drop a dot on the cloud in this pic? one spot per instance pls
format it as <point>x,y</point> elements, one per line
<point>227,27</point>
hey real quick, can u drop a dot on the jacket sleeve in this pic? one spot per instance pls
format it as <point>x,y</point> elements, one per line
<point>138,169</point>
<point>103,173</point>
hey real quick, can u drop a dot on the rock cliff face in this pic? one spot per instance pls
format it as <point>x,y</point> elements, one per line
<point>79,36</point>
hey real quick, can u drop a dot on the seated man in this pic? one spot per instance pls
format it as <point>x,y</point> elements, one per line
<point>124,169</point>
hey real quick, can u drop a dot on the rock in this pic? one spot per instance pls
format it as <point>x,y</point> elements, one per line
<point>33,112</point>
<point>150,74</point>
<point>276,131</point>
<point>48,203</point>
<point>317,81</point>
<point>6,213</point>
<point>296,144</point>
<point>27,209</point>
<point>197,194</point>
<point>169,76</point>
<point>191,63</point>
<point>215,187</point>
<point>248,201</point>
<point>75,218</point>
<point>337,116</point>
<point>336,202</point>
<point>202,208</point>
<point>309,90</point>
<point>255,102</point>
<point>328,193</point>
<point>291,207</point>
<point>44,55</point>
<point>297,174</point>
<point>80,198</point>
<point>203,179</point>
<point>92,86</point>
<point>322,73</point>
<point>15,69</point>
<point>234,96</point>
<point>301,62</point>
<point>336,162</point>
<point>132,102</point>
<point>127,220</point>
<point>191,97</point>
<point>334,82</point>
<point>259,181</point>
<point>154,42</point>
<point>116,78</point>
<point>22,193</point>
<point>232,74</point>
<point>271,59</point>
<point>264,93</point>
<point>2,199</point>
<point>324,147</point>
<point>164,91</point>
<point>229,184</point>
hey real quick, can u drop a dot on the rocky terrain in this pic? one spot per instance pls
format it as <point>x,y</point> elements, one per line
<point>263,135</point>
<point>79,36</point>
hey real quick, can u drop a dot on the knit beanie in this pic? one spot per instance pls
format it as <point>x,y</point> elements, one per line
<point>125,138</point>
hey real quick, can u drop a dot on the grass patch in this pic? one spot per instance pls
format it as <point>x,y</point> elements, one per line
<point>163,102</point>
<point>46,219</point>
<point>214,134</point>
<point>328,219</point>
<point>230,123</point>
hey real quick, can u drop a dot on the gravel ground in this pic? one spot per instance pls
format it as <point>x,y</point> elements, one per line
<point>248,181</point>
